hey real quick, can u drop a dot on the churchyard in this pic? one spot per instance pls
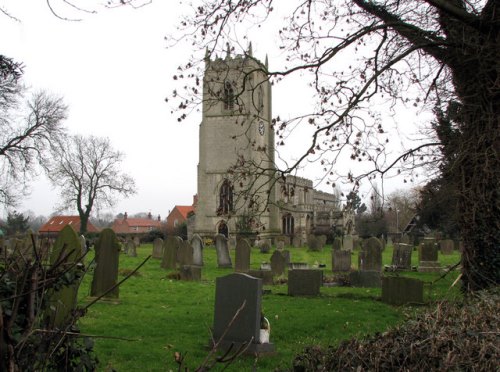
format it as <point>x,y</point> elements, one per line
<point>158,315</point>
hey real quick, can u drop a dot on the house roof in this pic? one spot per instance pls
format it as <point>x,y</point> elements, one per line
<point>124,225</point>
<point>184,209</point>
<point>57,223</point>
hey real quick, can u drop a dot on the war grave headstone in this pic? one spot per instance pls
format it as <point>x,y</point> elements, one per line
<point>314,243</point>
<point>197,244</point>
<point>304,282</point>
<point>370,257</point>
<point>131,249</point>
<point>233,292</point>
<point>348,243</point>
<point>428,257</point>
<point>341,261</point>
<point>169,259</point>
<point>242,256</point>
<point>264,245</point>
<point>265,275</point>
<point>446,246</point>
<point>401,256</point>
<point>400,290</point>
<point>157,248</point>
<point>67,250</point>
<point>184,253</point>
<point>278,263</point>
<point>107,253</point>
<point>190,273</point>
<point>365,279</point>
<point>223,257</point>
<point>337,244</point>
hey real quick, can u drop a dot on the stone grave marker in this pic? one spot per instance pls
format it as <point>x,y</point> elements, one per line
<point>405,239</point>
<point>137,241</point>
<point>337,244</point>
<point>264,246</point>
<point>314,243</point>
<point>401,256</point>
<point>197,244</point>
<point>278,263</point>
<point>265,275</point>
<point>428,257</point>
<point>130,248</point>
<point>304,282</point>
<point>169,259</point>
<point>370,258</point>
<point>242,256</point>
<point>341,261</point>
<point>184,253</point>
<point>83,243</point>
<point>107,253</point>
<point>223,257</point>
<point>389,241</point>
<point>286,254</point>
<point>446,246</point>
<point>348,243</point>
<point>280,245</point>
<point>400,290</point>
<point>322,240</point>
<point>190,273</point>
<point>66,249</point>
<point>297,242</point>
<point>365,279</point>
<point>157,248</point>
<point>231,293</point>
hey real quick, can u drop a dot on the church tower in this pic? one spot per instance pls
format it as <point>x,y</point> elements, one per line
<point>236,155</point>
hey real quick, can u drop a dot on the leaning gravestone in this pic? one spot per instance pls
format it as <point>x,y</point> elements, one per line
<point>107,253</point>
<point>169,259</point>
<point>223,257</point>
<point>370,258</point>
<point>197,244</point>
<point>401,256</point>
<point>446,246</point>
<point>341,261</point>
<point>400,290</point>
<point>242,256</point>
<point>238,299</point>
<point>184,253</point>
<point>304,282</point>
<point>130,248</point>
<point>348,243</point>
<point>278,263</point>
<point>66,251</point>
<point>157,248</point>
<point>428,257</point>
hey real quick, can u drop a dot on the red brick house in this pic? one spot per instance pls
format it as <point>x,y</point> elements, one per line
<point>57,223</point>
<point>178,216</point>
<point>135,226</point>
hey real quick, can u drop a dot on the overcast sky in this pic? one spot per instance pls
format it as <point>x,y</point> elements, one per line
<point>113,70</point>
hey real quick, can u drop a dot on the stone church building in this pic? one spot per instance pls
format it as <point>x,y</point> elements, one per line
<point>239,188</point>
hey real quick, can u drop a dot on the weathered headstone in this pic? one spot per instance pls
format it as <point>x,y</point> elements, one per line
<point>197,244</point>
<point>223,257</point>
<point>304,282</point>
<point>278,263</point>
<point>184,253</point>
<point>400,290</point>
<point>337,244</point>
<point>131,251</point>
<point>264,245</point>
<point>280,245</point>
<point>446,246</point>
<point>265,275</point>
<point>242,256</point>
<point>314,243</point>
<point>190,273</point>
<point>341,261</point>
<point>286,254</point>
<point>348,243</point>
<point>238,299</point>
<point>83,243</point>
<point>157,248</point>
<point>297,242</point>
<point>370,258</point>
<point>68,250</point>
<point>107,253</point>
<point>401,256</point>
<point>366,279</point>
<point>169,259</point>
<point>137,241</point>
<point>428,257</point>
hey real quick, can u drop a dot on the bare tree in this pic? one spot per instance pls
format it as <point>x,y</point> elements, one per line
<point>441,56</point>
<point>28,129</point>
<point>88,173</point>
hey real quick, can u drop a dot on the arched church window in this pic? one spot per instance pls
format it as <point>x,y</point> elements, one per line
<point>225,198</point>
<point>228,96</point>
<point>288,224</point>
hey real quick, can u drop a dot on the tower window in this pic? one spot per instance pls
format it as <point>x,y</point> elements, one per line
<point>228,96</point>
<point>225,198</point>
<point>288,224</point>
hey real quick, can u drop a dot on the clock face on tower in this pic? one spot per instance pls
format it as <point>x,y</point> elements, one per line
<point>261,128</point>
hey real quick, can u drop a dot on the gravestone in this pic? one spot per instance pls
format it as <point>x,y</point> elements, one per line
<point>278,263</point>
<point>446,246</point>
<point>428,257</point>
<point>280,245</point>
<point>137,241</point>
<point>264,246</point>
<point>286,254</point>
<point>242,256</point>
<point>400,290</point>
<point>314,243</point>
<point>389,241</point>
<point>384,243</point>
<point>83,243</point>
<point>348,243</point>
<point>125,245</point>
<point>184,253</point>
<point>365,279</point>
<point>169,259</point>
<point>223,257</point>
<point>130,248</point>
<point>157,248</point>
<point>190,273</point>
<point>67,250</point>
<point>401,256</point>
<point>107,253</point>
<point>297,242</point>
<point>370,258</point>
<point>304,282</point>
<point>265,275</point>
<point>232,242</point>
<point>197,244</point>
<point>337,244</point>
<point>405,239</point>
<point>233,292</point>
<point>322,240</point>
<point>341,261</point>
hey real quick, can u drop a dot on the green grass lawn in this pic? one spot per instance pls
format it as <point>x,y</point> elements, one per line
<point>158,316</point>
